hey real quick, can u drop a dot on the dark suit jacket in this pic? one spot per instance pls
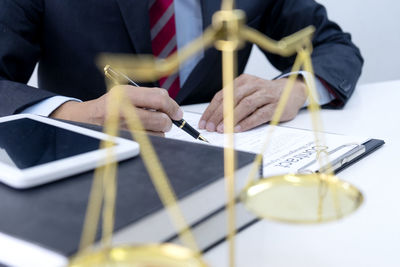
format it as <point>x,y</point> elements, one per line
<point>65,36</point>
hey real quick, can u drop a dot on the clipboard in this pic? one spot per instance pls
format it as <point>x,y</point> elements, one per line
<point>346,159</point>
<point>370,146</point>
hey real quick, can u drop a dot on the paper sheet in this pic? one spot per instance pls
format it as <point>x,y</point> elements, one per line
<point>289,149</point>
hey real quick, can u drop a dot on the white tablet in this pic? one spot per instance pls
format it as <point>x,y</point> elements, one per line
<point>35,150</point>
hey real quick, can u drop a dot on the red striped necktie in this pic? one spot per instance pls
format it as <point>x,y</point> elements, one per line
<point>163,39</point>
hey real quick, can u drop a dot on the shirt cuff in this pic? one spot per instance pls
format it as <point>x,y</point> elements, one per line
<point>323,95</point>
<point>47,106</point>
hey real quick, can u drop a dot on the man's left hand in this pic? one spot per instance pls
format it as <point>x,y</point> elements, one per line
<point>255,101</point>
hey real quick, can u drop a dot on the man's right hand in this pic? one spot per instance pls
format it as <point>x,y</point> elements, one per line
<point>153,106</point>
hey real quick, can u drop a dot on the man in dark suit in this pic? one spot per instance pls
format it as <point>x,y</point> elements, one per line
<point>65,37</point>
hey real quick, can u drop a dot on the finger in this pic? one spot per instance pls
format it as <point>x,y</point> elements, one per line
<point>245,85</point>
<point>156,99</point>
<point>153,120</point>
<point>243,94</point>
<point>212,107</point>
<point>211,119</point>
<point>258,117</point>
<point>215,119</point>
<point>249,104</point>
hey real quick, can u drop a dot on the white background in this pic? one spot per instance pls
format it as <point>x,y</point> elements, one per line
<point>375,27</point>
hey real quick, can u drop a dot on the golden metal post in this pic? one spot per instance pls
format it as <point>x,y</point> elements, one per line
<point>229,61</point>
<point>229,23</point>
<point>228,5</point>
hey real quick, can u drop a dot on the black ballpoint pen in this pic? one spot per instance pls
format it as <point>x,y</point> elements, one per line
<point>120,78</point>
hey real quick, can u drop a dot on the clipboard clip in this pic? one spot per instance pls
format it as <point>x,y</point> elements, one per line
<point>337,162</point>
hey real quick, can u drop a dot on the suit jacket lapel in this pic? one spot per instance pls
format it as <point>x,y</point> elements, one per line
<point>136,18</point>
<point>208,7</point>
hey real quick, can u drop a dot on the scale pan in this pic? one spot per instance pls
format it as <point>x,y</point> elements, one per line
<point>160,255</point>
<point>301,198</point>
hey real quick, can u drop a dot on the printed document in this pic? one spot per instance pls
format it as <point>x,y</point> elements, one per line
<point>290,150</point>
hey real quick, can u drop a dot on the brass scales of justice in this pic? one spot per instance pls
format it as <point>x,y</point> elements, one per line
<point>294,198</point>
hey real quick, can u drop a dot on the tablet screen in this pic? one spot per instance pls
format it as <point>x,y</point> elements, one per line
<point>26,143</point>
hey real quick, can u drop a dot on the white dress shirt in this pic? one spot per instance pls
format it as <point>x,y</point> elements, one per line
<point>189,26</point>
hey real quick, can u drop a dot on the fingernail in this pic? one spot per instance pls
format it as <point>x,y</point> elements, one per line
<point>220,128</point>
<point>237,129</point>
<point>210,127</point>
<point>179,114</point>
<point>202,124</point>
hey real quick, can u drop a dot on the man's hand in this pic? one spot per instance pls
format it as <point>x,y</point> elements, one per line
<point>153,105</point>
<point>255,102</point>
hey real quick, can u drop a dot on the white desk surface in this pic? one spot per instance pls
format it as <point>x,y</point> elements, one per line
<point>370,236</point>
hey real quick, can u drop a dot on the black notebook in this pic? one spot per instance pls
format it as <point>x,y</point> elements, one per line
<point>49,218</point>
